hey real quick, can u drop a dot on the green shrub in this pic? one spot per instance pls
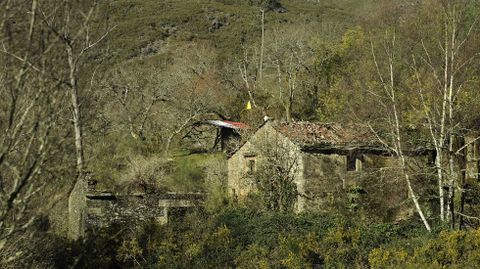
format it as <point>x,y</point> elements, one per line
<point>449,249</point>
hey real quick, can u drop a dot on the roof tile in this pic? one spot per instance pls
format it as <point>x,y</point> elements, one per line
<point>312,133</point>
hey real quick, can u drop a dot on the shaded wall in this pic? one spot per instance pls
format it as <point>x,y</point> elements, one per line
<point>106,210</point>
<point>94,210</point>
<point>323,177</point>
<point>376,187</point>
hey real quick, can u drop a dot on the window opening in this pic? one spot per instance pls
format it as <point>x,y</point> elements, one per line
<point>251,166</point>
<point>354,161</point>
<point>351,162</point>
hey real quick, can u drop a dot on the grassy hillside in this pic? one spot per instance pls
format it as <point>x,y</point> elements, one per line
<point>144,27</point>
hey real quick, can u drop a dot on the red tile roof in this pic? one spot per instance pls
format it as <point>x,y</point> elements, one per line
<point>228,124</point>
<point>240,125</point>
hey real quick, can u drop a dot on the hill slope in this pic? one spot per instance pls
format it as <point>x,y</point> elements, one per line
<point>142,27</point>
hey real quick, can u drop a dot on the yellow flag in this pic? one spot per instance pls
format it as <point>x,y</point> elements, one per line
<point>249,105</point>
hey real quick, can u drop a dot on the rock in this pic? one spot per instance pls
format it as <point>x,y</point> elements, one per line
<point>216,22</point>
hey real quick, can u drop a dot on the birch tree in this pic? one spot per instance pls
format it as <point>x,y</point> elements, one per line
<point>388,99</point>
<point>446,67</point>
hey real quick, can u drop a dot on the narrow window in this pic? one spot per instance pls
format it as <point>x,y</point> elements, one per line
<point>251,166</point>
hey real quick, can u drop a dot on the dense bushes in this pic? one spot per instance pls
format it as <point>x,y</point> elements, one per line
<point>450,249</point>
<point>246,238</point>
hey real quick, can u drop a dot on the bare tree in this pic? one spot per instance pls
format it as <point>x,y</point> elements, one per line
<point>451,67</point>
<point>249,70</point>
<point>194,90</point>
<point>165,100</point>
<point>275,175</point>
<point>388,99</point>
<point>28,115</point>
<point>72,24</point>
<point>137,93</point>
<point>288,52</point>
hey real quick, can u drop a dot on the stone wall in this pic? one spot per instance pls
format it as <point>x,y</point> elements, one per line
<point>239,183</point>
<point>338,179</point>
<point>76,210</point>
<point>105,209</point>
<point>472,153</point>
<point>324,177</point>
<point>376,188</point>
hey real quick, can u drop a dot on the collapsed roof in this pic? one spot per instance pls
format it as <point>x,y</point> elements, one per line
<point>316,137</point>
<point>309,134</point>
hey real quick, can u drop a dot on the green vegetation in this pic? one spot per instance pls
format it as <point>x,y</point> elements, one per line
<point>245,238</point>
<point>118,91</point>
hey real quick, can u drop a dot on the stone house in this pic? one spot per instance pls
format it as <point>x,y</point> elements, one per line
<point>336,168</point>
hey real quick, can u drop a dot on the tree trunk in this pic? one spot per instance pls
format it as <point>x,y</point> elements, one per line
<point>463,185</point>
<point>438,164</point>
<point>404,165</point>
<point>260,69</point>
<point>453,177</point>
<point>452,181</point>
<point>398,141</point>
<point>76,113</point>
<point>288,112</point>
<point>414,197</point>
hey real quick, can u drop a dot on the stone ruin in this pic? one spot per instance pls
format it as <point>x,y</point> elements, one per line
<point>104,209</point>
<point>91,210</point>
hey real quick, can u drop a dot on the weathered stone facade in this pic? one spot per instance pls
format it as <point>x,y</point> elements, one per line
<point>246,159</point>
<point>76,210</point>
<point>472,155</point>
<point>92,210</point>
<point>335,169</point>
<point>106,209</point>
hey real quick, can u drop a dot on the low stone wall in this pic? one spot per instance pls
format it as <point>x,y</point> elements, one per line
<point>76,211</point>
<point>106,209</point>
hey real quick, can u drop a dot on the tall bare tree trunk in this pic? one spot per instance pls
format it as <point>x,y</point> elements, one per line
<point>412,194</point>
<point>260,69</point>
<point>451,168</point>
<point>400,152</point>
<point>462,182</point>
<point>390,92</point>
<point>291,91</point>
<point>76,113</point>
<point>288,112</point>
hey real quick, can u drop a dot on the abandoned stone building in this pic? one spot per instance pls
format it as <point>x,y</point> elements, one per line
<point>91,209</point>
<point>336,168</point>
